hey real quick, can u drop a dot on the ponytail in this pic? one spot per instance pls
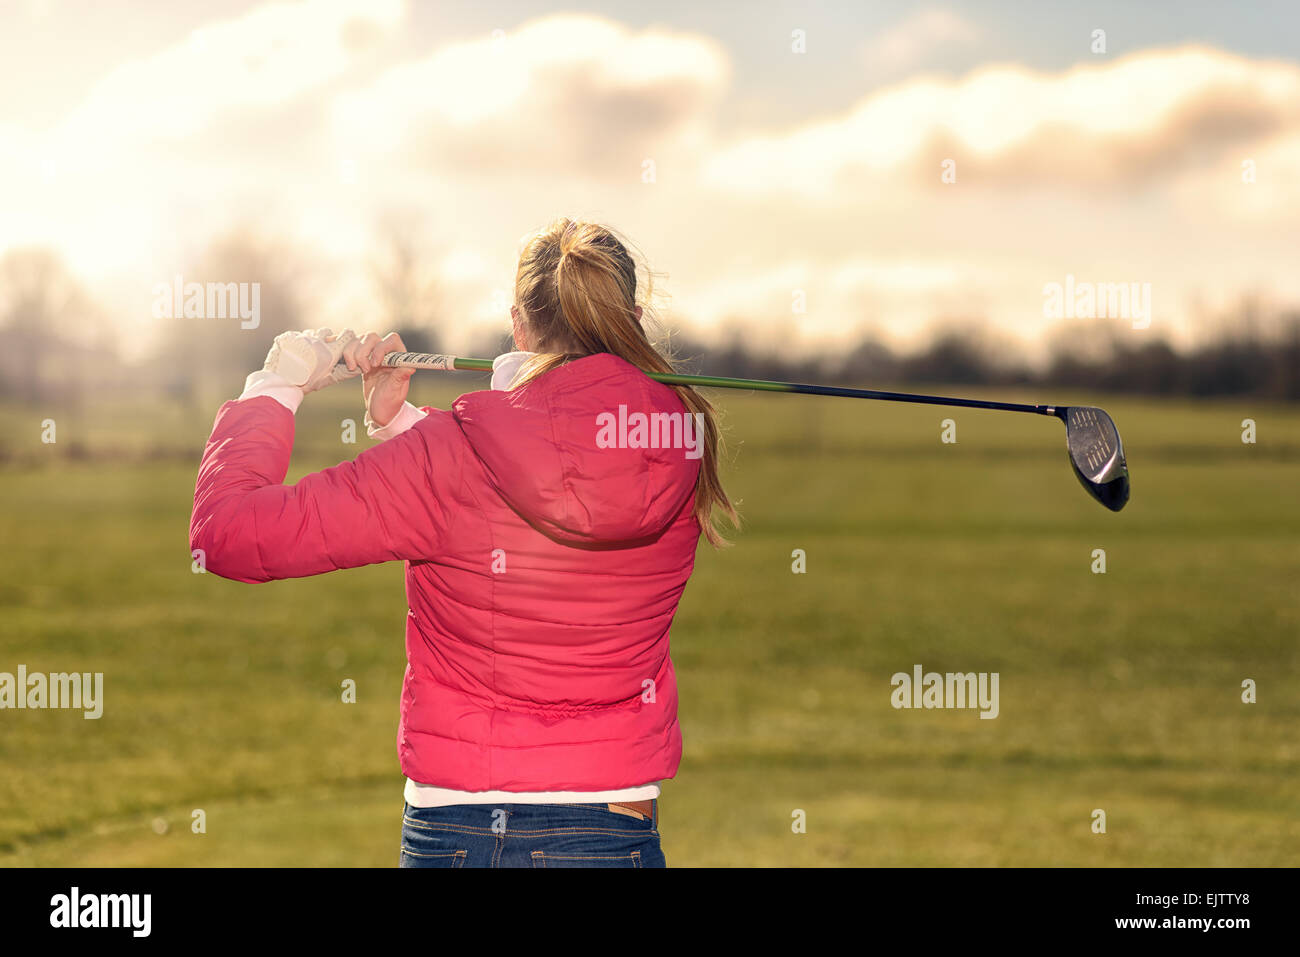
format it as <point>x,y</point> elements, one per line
<point>576,285</point>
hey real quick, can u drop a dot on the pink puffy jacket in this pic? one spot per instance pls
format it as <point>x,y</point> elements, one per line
<point>542,571</point>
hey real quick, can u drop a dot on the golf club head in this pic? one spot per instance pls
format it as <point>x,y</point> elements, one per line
<point>1097,454</point>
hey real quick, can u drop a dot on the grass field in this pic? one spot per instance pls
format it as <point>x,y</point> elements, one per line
<point>1119,691</point>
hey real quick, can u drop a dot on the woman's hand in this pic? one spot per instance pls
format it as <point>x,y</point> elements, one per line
<point>383,388</point>
<point>308,359</point>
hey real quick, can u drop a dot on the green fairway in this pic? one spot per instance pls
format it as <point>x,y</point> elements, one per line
<point>1118,691</point>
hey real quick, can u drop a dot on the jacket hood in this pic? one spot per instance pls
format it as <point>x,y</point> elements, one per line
<point>579,452</point>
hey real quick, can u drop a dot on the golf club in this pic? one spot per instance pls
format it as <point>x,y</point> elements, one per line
<point>1091,439</point>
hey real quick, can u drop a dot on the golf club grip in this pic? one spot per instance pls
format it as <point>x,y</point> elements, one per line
<point>423,360</point>
<point>430,362</point>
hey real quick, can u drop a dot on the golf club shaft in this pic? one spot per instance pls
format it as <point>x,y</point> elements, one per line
<point>424,360</point>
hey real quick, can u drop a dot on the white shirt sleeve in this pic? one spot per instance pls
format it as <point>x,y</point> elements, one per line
<point>406,417</point>
<point>274,385</point>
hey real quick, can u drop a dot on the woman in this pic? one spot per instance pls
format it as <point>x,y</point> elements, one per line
<point>545,556</point>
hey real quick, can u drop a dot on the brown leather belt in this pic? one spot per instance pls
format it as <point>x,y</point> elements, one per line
<point>644,808</point>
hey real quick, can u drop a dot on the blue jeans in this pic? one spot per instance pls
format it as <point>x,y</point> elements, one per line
<point>528,835</point>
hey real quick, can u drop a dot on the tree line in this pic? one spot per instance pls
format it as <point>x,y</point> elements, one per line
<point>58,346</point>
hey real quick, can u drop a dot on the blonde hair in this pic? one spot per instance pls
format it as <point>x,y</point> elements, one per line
<point>576,288</point>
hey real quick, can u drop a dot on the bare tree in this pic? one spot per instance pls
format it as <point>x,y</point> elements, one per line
<point>228,347</point>
<point>58,343</point>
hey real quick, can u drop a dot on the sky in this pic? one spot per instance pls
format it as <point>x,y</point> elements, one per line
<point>781,166</point>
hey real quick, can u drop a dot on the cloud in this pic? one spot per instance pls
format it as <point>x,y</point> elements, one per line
<point>1112,124</point>
<point>188,138</point>
<point>564,95</point>
<point>260,61</point>
<point>314,121</point>
<point>835,295</point>
<point>920,36</point>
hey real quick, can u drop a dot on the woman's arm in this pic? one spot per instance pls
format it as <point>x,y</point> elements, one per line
<point>383,506</point>
<point>388,504</point>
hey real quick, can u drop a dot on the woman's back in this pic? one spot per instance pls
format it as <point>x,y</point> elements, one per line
<point>538,641</point>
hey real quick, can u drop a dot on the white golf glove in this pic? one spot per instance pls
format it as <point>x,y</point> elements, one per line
<point>298,363</point>
<point>310,359</point>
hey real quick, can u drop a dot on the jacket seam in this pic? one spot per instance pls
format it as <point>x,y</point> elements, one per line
<point>626,704</point>
<point>559,455</point>
<point>492,604</point>
<point>566,624</point>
